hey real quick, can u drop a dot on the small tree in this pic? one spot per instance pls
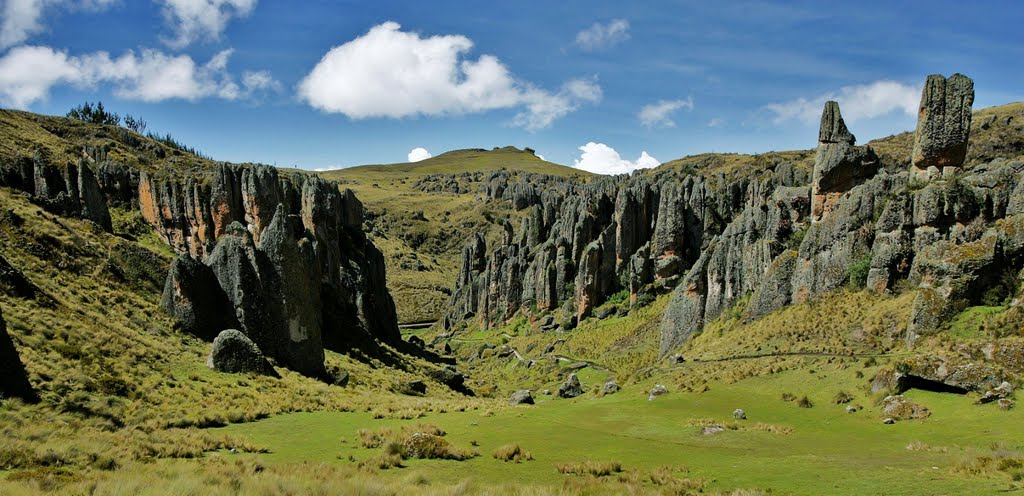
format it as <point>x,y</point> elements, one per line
<point>135,124</point>
<point>94,114</point>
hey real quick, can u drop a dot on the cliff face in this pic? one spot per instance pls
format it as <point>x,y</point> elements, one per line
<point>778,236</point>
<point>281,257</point>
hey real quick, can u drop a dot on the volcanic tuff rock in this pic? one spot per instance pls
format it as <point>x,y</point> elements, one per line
<point>291,266</point>
<point>773,233</point>
<point>943,126</point>
<point>13,379</point>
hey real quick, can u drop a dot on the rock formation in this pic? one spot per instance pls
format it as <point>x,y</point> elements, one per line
<point>943,126</point>
<point>71,189</point>
<point>194,297</point>
<point>13,378</point>
<point>838,165</point>
<point>777,234</point>
<point>281,257</point>
<point>289,258</point>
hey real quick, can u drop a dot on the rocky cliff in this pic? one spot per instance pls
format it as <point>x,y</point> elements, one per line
<point>281,257</point>
<point>776,234</point>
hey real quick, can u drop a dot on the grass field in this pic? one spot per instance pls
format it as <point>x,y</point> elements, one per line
<point>828,451</point>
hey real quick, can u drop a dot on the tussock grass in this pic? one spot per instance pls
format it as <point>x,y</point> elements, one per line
<point>733,425</point>
<point>591,468</point>
<point>512,453</point>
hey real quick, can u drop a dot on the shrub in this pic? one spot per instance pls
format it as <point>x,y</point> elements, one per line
<point>859,271</point>
<point>512,453</point>
<point>788,397</point>
<point>804,402</point>
<point>428,446</point>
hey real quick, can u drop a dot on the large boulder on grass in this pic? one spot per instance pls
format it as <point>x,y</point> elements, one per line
<point>571,388</point>
<point>234,353</point>
<point>521,397</point>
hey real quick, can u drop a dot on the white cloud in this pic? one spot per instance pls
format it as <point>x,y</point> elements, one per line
<point>330,168</point>
<point>394,74</point>
<point>600,36</point>
<point>600,158</point>
<point>858,102</point>
<point>20,19</point>
<point>417,154</point>
<point>716,122</point>
<point>542,108</point>
<point>658,114</point>
<point>27,73</point>
<point>194,20</point>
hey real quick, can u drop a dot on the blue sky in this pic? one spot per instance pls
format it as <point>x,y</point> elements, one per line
<point>319,84</point>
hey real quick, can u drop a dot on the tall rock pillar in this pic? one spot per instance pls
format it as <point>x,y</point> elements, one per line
<point>943,126</point>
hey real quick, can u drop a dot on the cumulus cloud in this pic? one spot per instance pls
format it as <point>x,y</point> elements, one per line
<point>417,154</point>
<point>659,114</point>
<point>20,19</point>
<point>394,74</point>
<point>27,73</point>
<point>600,158</point>
<point>195,20</point>
<point>600,36</point>
<point>858,102</point>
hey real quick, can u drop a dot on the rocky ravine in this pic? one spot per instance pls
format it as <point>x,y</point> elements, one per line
<point>779,236</point>
<point>281,258</point>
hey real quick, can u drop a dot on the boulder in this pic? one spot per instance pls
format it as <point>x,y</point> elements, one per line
<point>610,387</point>
<point>452,378</point>
<point>338,377</point>
<point>711,430</point>
<point>571,388</point>
<point>677,359</point>
<point>521,397</point>
<point>234,353</point>
<point>410,388</point>
<point>1003,391</point>
<point>739,414</point>
<point>943,126</point>
<point>13,378</point>
<point>657,391</point>
<point>899,408</point>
